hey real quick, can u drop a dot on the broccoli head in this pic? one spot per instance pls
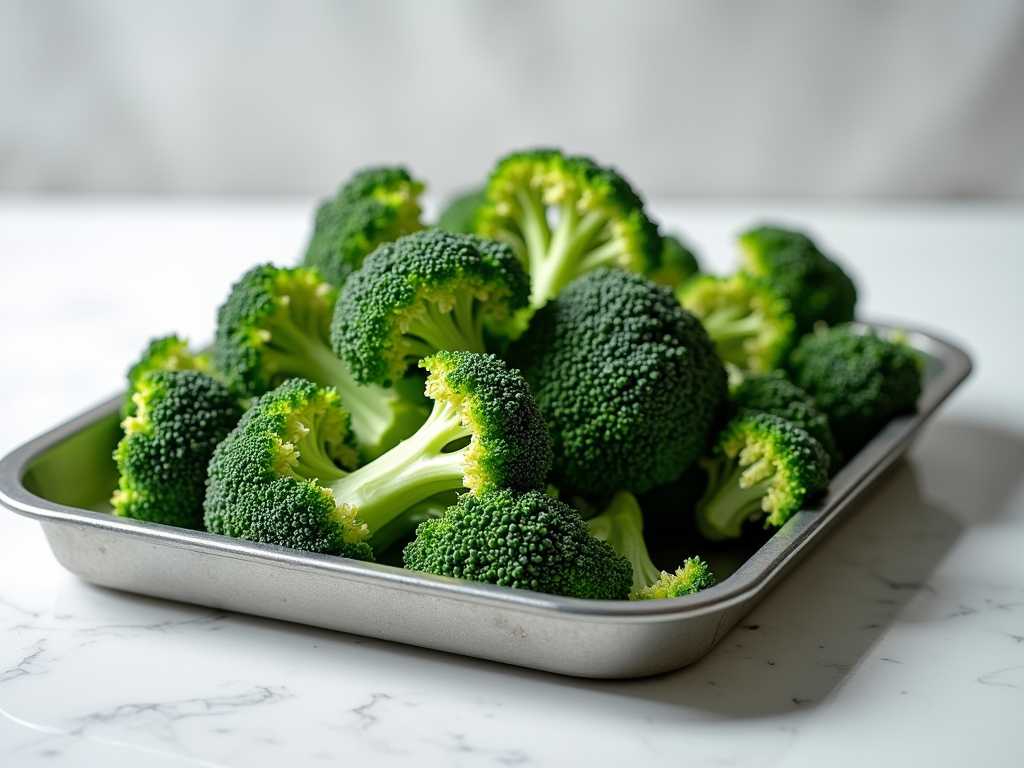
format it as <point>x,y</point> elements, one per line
<point>521,540</point>
<point>627,380</point>
<point>275,325</point>
<point>179,418</point>
<point>285,475</point>
<point>761,465</point>
<point>169,353</point>
<point>460,214</point>
<point>860,380</point>
<point>423,293</point>
<point>748,319</point>
<point>376,206</point>
<point>677,264</point>
<point>817,287</point>
<point>565,216</point>
<point>774,393</point>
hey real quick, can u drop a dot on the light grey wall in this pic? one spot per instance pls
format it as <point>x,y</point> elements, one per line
<point>708,97</point>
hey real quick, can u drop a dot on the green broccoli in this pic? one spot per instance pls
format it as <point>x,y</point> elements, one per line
<point>169,353</point>
<point>564,216</point>
<point>376,206</point>
<point>860,380</point>
<point>460,214</point>
<point>283,476</point>
<point>817,287</point>
<point>179,418</point>
<point>525,541</point>
<point>621,524</point>
<point>677,264</point>
<point>748,319</point>
<point>761,464</point>
<point>275,325</point>
<point>774,393</point>
<point>627,380</point>
<point>421,294</point>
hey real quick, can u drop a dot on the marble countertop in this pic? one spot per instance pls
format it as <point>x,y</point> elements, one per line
<point>899,641</point>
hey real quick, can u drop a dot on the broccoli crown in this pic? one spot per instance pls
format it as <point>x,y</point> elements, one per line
<point>692,577</point>
<point>761,464</point>
<point>509,445</point>
<point>169,353</point>
<point>275,325</point>
<point>423,293</point>
<point>598,219</point>
<point>525,541</point>
<point>460,214</point>
<point>775,394</point>
<point>748,319</point>
<point>627,380</point>
<point>858,379</point>
<point>816,286</point>
<point>677,264</point>
<point>376,206</point>
<point>179,418</point>
<point>269,328</point>
<point>269,481</point>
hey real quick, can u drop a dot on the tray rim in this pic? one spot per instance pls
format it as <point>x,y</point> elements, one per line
<point>758,573</point>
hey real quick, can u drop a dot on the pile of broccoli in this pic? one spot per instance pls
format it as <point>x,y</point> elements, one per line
<point>504,396</point>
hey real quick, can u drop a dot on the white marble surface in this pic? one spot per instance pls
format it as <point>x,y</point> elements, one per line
<point>900,641</point>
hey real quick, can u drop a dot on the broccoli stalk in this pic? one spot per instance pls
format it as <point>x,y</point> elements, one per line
<point>275,325</point>
<point>424,293</point>
<point>761,464</point>
<point>621,524</point>
<point>282,476</point>
<point>598,220</point>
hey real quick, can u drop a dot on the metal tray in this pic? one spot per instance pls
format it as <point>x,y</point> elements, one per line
<point>64,478</point>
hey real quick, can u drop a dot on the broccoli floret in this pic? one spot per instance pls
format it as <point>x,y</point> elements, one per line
<point>276,478</point>
<point>677,264</point>
<point>179,418</point>
<point>169,353</point>
<point>275,325</point>
<point>376,206</point>
<point>565,216</point>
<point>774,393</point>
<point>748,319</point>
<point>460,214</point>
<point>421,294</point>
<point>525,541</point>
<point>860,380</point>
<point>817,287</point>
<point>621,524</point>
<point>690,578</point>
<point>627,380</point>
<point>760,465</point>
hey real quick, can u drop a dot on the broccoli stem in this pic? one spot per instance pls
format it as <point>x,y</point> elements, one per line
<point>414,470</point>
<point>726,504</point>
<point>730,327</point>
<point>456,330</point>
<point>622,526</point>
<point>294,350</point>
<point>572,250</point>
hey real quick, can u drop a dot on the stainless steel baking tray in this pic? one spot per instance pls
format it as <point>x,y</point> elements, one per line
<point>64,478</point>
